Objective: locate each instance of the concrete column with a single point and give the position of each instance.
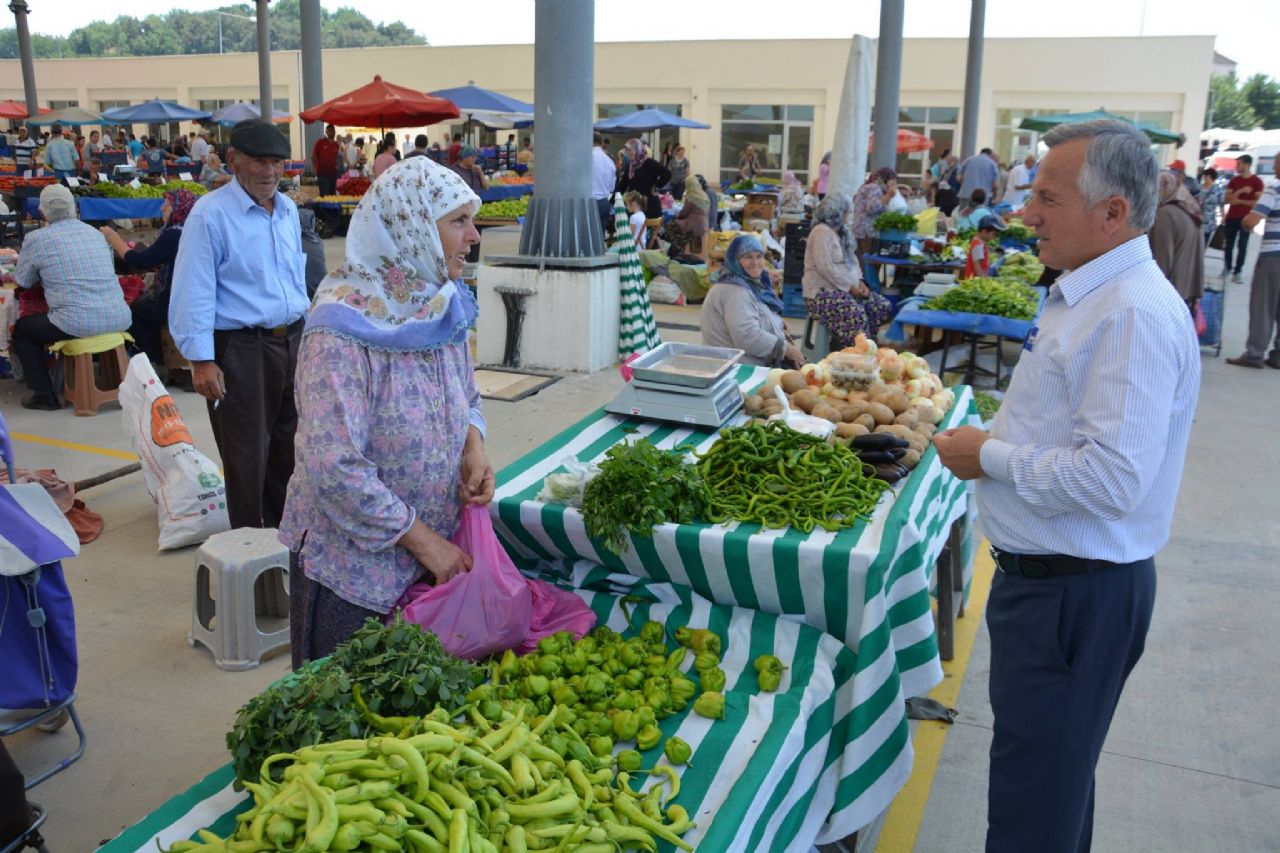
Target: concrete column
(264, 60)
(562, 221)
(312, 74)
(19, 9)
(888, 83)
(972, 81)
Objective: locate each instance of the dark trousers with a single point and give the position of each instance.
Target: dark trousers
(318, 619)
(31, 335)
(1061, 649)
(327, 184)
(1234, 230)
(149, 318)
(605, 207)
(255, 423)
(15, 813)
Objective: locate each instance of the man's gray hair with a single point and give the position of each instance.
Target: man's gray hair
(1118, 161)
(57, 203)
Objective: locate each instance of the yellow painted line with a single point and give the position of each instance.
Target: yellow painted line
(71, 445)
(902, 824)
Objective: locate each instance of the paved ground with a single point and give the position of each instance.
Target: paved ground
(1192, 764)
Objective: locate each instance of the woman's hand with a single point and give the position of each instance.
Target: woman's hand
(793, 355)
(860, 290)
(441, 558)
(477, 473)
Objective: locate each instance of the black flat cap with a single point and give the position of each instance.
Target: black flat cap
(259, 138)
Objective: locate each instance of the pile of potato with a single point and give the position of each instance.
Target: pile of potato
(883, 408)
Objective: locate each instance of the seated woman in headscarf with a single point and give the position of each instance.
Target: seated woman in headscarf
(1176, 243)
(834, 292)
(644, 175)
(791, 199)
(151, 311)
(870, 201)
(390, 440)
(742, 311)
(689, 225)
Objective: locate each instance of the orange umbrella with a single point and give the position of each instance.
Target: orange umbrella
(908, 141)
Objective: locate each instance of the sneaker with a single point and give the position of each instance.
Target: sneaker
(41, 402)
(1274, 361)
(1235, 278)
(1245, 361)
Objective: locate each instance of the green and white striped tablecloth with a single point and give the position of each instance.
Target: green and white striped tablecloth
(809, 764)
(866, 584)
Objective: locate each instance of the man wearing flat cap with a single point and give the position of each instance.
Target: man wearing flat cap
(236, 312)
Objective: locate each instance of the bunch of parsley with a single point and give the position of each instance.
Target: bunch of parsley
(640, 486)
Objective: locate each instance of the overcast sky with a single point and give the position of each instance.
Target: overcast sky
(1248, 31)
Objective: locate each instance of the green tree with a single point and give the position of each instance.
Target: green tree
(1228, 106)
(1263, 95)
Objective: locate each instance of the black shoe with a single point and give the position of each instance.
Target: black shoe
(42, 402)
(1274, 361)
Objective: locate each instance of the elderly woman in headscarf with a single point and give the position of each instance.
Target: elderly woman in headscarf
(834, 292)
(691, 223)
(73, 264)
(743, 312)
(870, 201)
(644, 175)
(390, 441)
(470, 171)
(151, 311)
(791, 198)
(1176, 242)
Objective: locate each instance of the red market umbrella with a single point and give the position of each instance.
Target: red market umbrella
(384, 104)
(908, 142)
(16, 109)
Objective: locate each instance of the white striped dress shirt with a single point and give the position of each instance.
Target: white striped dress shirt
(1086, 452)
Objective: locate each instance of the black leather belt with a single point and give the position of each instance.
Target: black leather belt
(271, 331)
(1048, 565)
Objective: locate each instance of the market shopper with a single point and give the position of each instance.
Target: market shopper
(870, 201)
(742, 311)
(151, 310)
(1176, 245)
(1264, 290)
(235, 312)
(24, 151)
(979, 173)
(1019, 184)
(679, 167)
(60, 154)
(391, 435)
(688, 228)
(73, 264)
(1212, 197)
(604, 177)
(469, 170)
(643, 175)
(325, 155)
(748, 165)
(1077, 491)
(824, 175)
(1243, 192)
(834, 292)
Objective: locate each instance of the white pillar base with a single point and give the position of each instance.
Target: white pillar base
(570, 323)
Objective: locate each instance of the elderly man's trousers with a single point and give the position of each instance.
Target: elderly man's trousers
(1061, 649)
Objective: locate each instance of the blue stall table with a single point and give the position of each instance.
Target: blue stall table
(104, 209)
(506, 191)
(971, 328)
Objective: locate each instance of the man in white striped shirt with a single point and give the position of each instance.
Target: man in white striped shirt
(1077, 483)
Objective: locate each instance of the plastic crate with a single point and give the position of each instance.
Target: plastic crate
(793, 301)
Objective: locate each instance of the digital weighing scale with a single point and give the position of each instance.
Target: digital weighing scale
(682, 383)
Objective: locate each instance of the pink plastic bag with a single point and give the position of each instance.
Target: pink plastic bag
(556, 609)
(1202, 325)
(486, 610)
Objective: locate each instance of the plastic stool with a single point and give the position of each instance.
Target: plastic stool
(240, 575)
(81, 387)
(816, 343)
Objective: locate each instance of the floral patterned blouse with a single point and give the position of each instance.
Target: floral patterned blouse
(868, 203)
(379, 443)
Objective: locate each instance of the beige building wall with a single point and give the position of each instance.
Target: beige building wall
(1167, 76)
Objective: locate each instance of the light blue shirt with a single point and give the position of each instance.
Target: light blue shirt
(238, 267)
(1086, 452)
(60, 154)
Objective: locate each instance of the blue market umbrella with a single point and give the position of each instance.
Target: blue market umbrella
(490, 108)
(154, 112)
(233, 114)
(650, 119)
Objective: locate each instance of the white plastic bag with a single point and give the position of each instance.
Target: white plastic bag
(567, 488)
(799, 421)
(897, 204)
(665, 291)
(190, 495)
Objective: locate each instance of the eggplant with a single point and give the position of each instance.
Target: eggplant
(876, 457)
(878, 441)
(888, 472)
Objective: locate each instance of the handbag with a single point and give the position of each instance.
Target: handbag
(1218, 240)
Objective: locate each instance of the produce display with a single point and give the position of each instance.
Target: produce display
(1022, 266)
(768, 474)
(987, 404)
(107, 189)
(340, 199)
(509, 208)
(524, 760)
(10, 183)
(398, 669)
(1000, 297)
(640, 486)
(510, 180)
(1017, 231)
(894, 222)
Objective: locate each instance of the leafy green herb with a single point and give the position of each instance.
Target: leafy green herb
(996, 296)
(987, 405)
(638, 487)
(402, 670)
(895, 222)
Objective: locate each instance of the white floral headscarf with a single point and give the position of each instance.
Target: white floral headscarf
(393, 291)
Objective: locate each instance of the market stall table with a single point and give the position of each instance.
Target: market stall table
(867, 585)
(811, 763)
(501, 192)
(871, 262)
(971, 328)
(105, 209)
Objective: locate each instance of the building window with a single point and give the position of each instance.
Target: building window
(103, 106)
(62, 105)
(782, 136)
(657, 139)
(937, 123)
